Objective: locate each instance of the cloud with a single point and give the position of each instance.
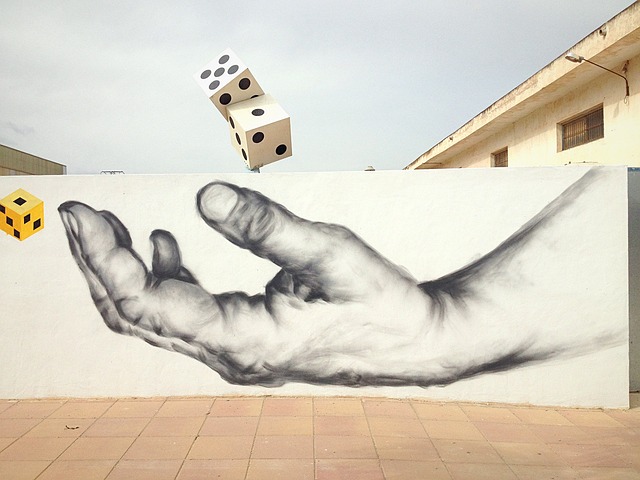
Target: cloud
(22, 130)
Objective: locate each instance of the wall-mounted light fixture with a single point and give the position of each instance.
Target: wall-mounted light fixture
(572, 57)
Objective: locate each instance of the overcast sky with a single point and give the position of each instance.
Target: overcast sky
(108, 85)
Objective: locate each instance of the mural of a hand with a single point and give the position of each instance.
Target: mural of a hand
(335, 296)
(336, 313)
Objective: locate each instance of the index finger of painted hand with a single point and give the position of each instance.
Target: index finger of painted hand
(253, 221)
(313, 251)
(101, 245)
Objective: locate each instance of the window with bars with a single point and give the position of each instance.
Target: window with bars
(500, 159)
(584, 129)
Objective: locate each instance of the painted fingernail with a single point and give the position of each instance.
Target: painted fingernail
(217, 201)
(70, 222)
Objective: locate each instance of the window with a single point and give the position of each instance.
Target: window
(584, 129)
(500, 159)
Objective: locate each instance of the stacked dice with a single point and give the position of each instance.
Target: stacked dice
(260, 129)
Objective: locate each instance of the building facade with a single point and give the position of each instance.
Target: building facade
(567, 113)
(15, 162)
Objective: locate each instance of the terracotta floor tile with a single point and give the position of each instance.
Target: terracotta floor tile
(353, 469)
(412, 470)
(632, 435)
(527, 453)
(434, 411)
(592, 455)
(36, 448)
(350, 437)
(16, 427)
(82, 409)
(145, 470)
(97, 448)
(507, 432)
(452, 430)
(280, 469)
(290, 407)
(283, 446)
(236, 407)
(341, 425)
(388, 408)
(116, 427)
(405, 448)
(213, 469)
(629, 454)
(6, 441)
(185, 408)
(540, 416)
(285, 426)
(629, 418)
(339, 446)
(78, 470)
(611, 436)
(397, 426)
(589, 418)
(611, 473)
(466, 451)
(481, 413)
(22, 470)
(559, 433)
(227, 426)
(31, 409)
(480, 471)
(159, 448)
(173, 427)
(544, 472)
(338, 407)
(219, 447)
(61, 427)
(134, 408)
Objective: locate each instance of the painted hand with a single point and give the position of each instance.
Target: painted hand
(340, 313)
(337, 312)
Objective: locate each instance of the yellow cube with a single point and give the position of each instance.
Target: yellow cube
(21, 214)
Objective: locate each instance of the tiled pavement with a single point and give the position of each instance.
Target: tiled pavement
(305, 438)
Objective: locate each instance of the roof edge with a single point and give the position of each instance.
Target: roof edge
(589, 47)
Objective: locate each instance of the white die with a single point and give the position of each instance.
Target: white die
(260, 130)
(227, 80)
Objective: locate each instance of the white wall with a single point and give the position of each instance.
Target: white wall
(634, 279)
(55, 344)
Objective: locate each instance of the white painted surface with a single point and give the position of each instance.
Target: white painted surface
(634, 279)
(54, 343)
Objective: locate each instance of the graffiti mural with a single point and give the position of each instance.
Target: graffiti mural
(338, 312)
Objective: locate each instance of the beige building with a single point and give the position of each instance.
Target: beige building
(567, 113)
(15, 162)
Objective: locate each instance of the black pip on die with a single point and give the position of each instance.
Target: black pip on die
(260, 130)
